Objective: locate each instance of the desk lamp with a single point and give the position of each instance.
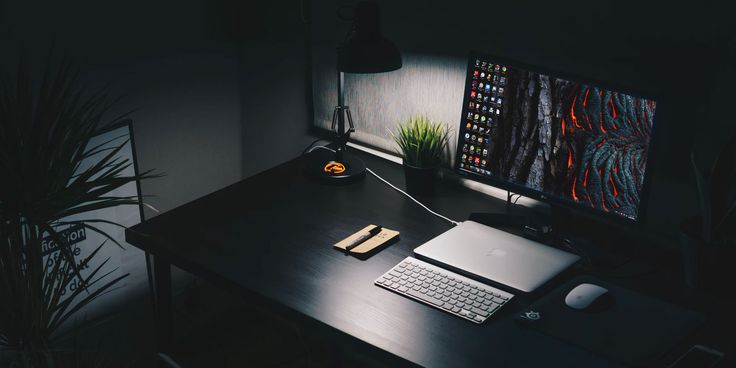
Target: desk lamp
(364, 50)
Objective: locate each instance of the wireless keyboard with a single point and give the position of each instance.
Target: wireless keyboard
(444, 290)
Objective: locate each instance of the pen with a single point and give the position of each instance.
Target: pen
(363, 237)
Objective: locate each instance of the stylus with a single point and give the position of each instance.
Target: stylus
(363, 237)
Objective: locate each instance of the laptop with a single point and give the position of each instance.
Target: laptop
(495, 256)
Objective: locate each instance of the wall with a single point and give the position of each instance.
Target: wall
(677, 51)
(206, 80)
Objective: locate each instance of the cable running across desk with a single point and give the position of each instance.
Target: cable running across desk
(412, 198)
(453, 222)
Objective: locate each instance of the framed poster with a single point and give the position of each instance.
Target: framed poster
(119, 259)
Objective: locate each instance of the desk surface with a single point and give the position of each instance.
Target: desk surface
(272, 234)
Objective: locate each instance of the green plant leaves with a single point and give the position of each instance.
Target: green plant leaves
(45, 131)
(421, 141)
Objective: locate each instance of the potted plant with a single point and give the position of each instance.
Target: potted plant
(712, 232)
(45, 131)
(422, 143)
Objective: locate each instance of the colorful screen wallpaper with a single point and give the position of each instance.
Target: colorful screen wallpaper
(563, 138)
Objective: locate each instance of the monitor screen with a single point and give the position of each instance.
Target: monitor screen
(554, 138)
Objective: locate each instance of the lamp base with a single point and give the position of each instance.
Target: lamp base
(327, 168)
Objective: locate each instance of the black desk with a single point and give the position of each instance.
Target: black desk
(271, 236)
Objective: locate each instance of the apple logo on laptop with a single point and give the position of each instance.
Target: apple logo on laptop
(496, 252)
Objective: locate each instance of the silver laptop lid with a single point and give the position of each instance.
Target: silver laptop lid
(496, 256)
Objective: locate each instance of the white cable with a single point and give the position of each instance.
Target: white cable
(323, 147)
(412, 198)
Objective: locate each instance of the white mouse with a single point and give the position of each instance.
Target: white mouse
(587, 296)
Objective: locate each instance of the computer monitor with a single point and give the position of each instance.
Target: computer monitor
(555, 139)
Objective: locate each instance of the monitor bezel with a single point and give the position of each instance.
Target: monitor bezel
(553, 199)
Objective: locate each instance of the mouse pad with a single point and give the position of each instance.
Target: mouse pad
(636, 330)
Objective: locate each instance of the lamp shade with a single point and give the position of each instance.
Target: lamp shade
(366, 50)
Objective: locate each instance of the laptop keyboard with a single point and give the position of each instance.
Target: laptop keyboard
(445, 290)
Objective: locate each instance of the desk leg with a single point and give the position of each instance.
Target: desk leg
(164, 317)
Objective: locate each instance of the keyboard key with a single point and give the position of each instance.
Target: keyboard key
(443, 290)
(426, 298)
